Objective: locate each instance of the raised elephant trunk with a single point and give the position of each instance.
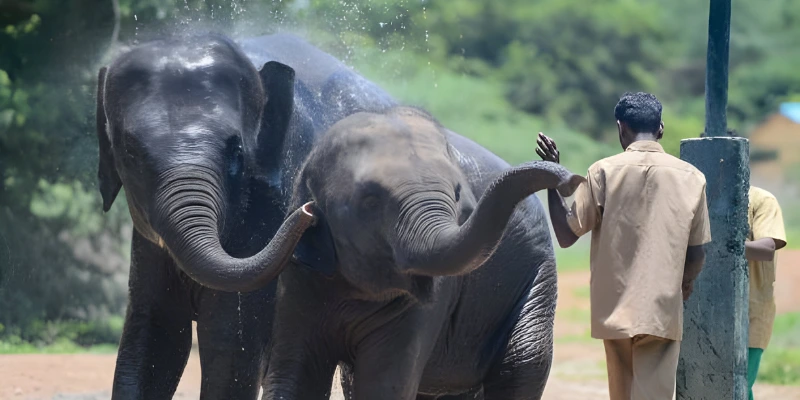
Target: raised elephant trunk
(189, 221)
(449, 249)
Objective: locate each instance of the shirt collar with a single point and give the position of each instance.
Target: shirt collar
(645, 145)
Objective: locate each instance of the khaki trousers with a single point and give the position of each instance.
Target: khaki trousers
(642, 368)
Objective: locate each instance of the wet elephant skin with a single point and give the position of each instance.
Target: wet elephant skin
(206, 135)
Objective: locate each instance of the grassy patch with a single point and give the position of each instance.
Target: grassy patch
(60, 346)
(62, 337)
(576, 315)
(786, 331)
(793, 239)
(780, 364)
(575, 258)
(586, 337)
(582, 292)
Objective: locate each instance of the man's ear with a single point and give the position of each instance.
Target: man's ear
(316, 249)
(107, 175)
(278, 82)
(660, 132)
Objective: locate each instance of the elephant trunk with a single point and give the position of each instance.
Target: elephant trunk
(191, 204)
(433, 244)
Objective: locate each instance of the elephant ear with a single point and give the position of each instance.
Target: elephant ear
(107, 174)
(278, 82)
(316, 249)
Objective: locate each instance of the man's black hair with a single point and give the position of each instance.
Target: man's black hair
(640, 111)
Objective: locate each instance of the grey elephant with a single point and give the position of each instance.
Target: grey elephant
(430, 271)
(207, 148)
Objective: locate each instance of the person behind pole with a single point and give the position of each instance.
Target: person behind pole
(767, 234)
(648, 216)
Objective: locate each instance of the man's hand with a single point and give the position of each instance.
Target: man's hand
(687, 288)
(547, 149)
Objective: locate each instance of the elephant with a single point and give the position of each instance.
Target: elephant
(429, 272)
(207, 147)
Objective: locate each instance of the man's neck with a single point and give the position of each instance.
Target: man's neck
(649, 137)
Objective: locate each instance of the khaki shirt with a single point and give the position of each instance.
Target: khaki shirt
(766, 221)
(644, 208)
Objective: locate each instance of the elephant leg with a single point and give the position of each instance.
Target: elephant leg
(300, 373)
(476, 394)
(157, 335)
(522, 374)
(233, 333)
(390, 361)
(303, 358)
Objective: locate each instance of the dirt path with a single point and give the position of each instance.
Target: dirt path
(578, 370)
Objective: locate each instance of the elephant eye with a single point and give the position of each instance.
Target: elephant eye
(458, 192)
(369, 201)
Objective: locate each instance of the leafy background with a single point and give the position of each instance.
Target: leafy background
(496, 71)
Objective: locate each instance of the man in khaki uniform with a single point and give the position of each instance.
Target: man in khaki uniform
(767, 234)
(648, 216)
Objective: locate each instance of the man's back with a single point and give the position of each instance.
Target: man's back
(644, 208)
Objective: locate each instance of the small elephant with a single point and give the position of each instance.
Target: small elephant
(207, 148)
(430, 271)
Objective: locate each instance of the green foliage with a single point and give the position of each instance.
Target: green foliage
(475, 107)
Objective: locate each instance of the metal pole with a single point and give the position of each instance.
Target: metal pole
(719, 35)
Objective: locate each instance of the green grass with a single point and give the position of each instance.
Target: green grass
(575, 258)
(61, 346)
(582, 292)
(576, 315)
(62, 337)
(793, 238)
(586, 337)
(780, 364)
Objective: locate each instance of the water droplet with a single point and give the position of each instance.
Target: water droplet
(135, 18)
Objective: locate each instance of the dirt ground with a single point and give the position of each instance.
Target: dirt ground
(577, 373)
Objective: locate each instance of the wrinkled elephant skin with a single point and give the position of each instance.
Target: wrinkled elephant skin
(206, 135)
(430, 273)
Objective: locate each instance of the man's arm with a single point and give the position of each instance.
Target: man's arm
(695, 258)
(767, 230)
(760, 250)
(559, 214)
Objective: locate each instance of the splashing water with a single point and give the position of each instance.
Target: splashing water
(239, 310)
